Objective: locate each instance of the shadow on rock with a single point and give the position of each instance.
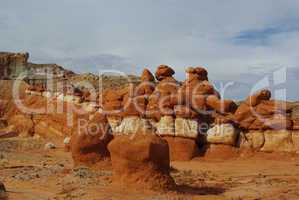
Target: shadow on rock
(186, 189)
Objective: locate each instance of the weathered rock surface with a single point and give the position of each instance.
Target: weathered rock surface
(67, 144)
(221, 151)
(222, 134)
(198, 73)
(23, 125)
(296, 124)
(47, 131)
(253, 140)
(12, 64)
(278, 141)
(166, 126)
(295, 140)
(141, 162)
(147, 76)
(3, 194)
(114, 122)
(187, 128)
(2, 187)
(163, 71)
(133, 125)
(182, 149)
(89, 145)
(259, 96)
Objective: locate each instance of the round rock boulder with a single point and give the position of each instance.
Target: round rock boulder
(89, 143)
(141, 162)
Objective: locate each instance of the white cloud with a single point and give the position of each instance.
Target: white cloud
(148, 33)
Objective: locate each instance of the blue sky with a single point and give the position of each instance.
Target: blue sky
(233, 39)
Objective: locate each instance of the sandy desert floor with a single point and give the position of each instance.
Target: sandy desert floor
(32, 173)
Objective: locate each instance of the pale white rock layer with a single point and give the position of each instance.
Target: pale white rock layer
(222, 134)
(166, 126)
(133, 125)
(278, 141)
(187, 128)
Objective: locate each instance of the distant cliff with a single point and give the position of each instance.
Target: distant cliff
(12, 64)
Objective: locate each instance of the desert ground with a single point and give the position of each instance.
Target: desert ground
(30, 172)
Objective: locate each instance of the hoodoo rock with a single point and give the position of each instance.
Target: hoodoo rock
(147, 76)
(133, 107)
(147, 85)
(111, 101)
(163, 71)
(198, 73)
(259, 96)
(260, 113)
(141, 162)
(89, 144)
(159, 102)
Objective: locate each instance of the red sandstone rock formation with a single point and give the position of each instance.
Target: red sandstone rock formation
(141, 163)
(259, 96)
(163, 71)
(89, 145)
(159, 103)
(258, 112)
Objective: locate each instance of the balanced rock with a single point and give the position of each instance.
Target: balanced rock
(163, 71)
(222, 134)
(141, 162)
(258, 97)
(147, 76)
(199, 73)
